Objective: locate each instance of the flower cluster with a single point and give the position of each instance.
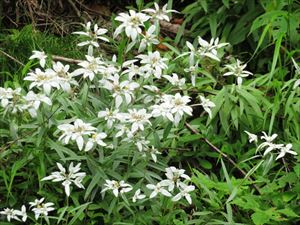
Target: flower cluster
(268, 145)
(37, 207)
(14, 101)
(176, 180)
(172, 107)
(78, 132)
(237, 69)
(67, 177)
(57, 77)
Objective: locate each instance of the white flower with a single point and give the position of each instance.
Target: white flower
(138, 118)
(67, 178)
(268, 138)
(207, 105)
(268, 143)
(286, 149)
(65, 79)
(41, 56)
(46, 79)
(10, 214)
(174, 80)
(193, 71)
(159, 14)
(76, 132)
(158, 188)
(141, 143)
(180, 107)
(33, 102)
(148, 39)
(210, 49)
(138, 196)
(96, 138)
(131, 23)
(237, 70)
(96, 33)
(125, 88)
(269, 147)
(90, 67)
(117, 187)
(164, 110)
(205, 50)
(22, 213)
(109, 115)
(93, 35)
(154, 63)
(40, 208)
(153, 152)
(123, 129)
(6, 94)
(132, 69)
(184, 192)
(252, 137)
(174, 176)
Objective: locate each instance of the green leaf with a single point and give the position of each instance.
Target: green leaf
(260, 218)
(205, 164)
(80, 209)
(288, 212)
(276, 54)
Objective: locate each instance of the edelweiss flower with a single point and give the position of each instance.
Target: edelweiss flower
(116, 187)
(138, 118)
(153, 62)
(13, 214)
(40, 208)
(65, 79)
(6, 94)
(268, 138)
(158, 188)
(123, 129)
(237, 70)
(159, 14)
(252, 137)
(131, 23)
(109, 115)
(193, 70)
(94, 35)
(67, 178)
(132, 69)
(41, 56)
(138, 196)
(205, 50)
(45, 79)
(33, 102)
(184, 192)
(76, 132)
(96, 138)
(207, 105)
(174, 80)
(180, 107)
(125, 88)
(153, 152)
(174, 176)
(286, 149)
(90, 67)
(148, 39)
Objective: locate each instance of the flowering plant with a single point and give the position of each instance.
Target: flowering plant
(126, 124)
